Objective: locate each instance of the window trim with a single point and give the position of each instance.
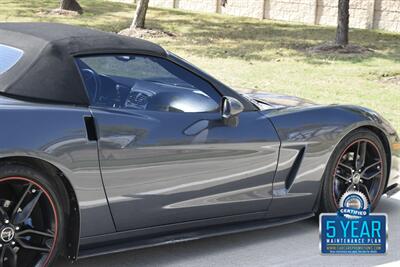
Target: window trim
(221, 88)
(78, 56)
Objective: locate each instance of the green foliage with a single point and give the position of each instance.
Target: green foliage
(261, 55)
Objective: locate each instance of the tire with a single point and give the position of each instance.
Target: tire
(18, 181)
(337, 169)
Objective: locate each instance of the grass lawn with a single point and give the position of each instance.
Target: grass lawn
(250, 53)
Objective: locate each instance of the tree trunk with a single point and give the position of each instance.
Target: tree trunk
(140, 14)
(342, 32)
(71, 5)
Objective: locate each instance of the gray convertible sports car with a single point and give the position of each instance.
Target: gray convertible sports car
(110, 143)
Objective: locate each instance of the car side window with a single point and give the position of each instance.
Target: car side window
(145, 83)
(9, 56)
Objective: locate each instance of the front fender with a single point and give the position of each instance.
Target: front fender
(315, 131)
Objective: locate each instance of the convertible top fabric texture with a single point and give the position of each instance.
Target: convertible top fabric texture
(47, 70)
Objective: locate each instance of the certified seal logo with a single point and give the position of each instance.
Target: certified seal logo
(353, 229)
(353, 205)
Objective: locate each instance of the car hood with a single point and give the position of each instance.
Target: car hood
(265, 100)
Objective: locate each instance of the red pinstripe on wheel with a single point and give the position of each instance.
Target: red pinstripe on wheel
(53, 206)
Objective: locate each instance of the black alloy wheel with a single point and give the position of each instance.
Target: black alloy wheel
(30, 218)
(358, 164)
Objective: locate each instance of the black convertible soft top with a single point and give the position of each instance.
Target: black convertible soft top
(47, 71)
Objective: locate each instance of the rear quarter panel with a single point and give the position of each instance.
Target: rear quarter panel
(57, 135)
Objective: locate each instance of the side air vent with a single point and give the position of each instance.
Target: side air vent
(295, 169)
(90, 128)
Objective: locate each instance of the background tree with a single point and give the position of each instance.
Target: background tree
(71, 5)
(342, 32)
(140, 14)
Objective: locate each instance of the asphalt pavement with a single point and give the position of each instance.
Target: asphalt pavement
(295, 244)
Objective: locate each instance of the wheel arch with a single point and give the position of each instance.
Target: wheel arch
(381, 135)
(385, 141)
(69, 199)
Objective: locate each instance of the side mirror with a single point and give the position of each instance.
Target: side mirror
(230, 109)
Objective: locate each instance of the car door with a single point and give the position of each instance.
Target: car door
(166, 155)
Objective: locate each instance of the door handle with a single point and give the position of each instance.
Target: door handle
(90, 128)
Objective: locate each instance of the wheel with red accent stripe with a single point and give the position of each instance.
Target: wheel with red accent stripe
(358, 164)
(31, 217)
